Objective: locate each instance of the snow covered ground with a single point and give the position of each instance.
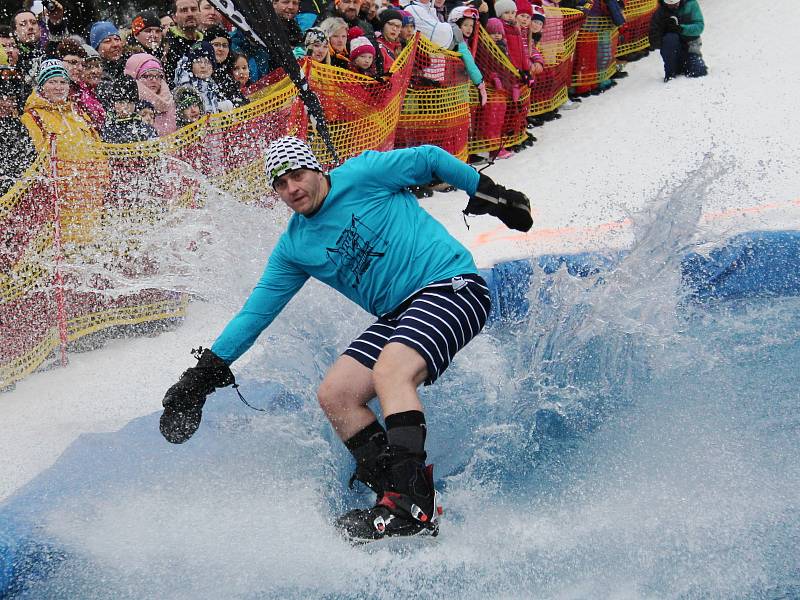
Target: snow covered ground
(588, 172)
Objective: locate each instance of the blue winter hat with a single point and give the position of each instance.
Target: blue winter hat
(407, 17)
(202, 49)
(100, 31)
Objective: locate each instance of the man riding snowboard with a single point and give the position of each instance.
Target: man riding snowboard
(359, 230)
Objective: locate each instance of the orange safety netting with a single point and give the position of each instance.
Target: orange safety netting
(436, 105)
(27, 305)
(238, 139)
(361, 113)
(559, 36)
(634, 34)
(595, 54)
(75, 224)
(502, 121)
(41, 308)
(72, 228)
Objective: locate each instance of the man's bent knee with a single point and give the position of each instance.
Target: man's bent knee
(347, 384)
(327, 395)
(399, 364)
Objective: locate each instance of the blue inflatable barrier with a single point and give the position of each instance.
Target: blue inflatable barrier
(509, 282)
(22, 557)
(8, 545)
(753, 265)
(761, 264)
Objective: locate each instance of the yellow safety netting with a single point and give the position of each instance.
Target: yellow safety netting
(595, 53)
(634, 34)
(72, 205)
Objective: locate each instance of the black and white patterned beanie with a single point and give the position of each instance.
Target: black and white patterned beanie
(289, 154)
(315, 35)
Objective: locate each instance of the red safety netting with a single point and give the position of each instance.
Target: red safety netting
(74, 225)
(595, 54)
(634, 34)
(501, 123)
(559, 36)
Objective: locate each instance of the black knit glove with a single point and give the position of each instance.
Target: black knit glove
(510, 206)
(183, 402)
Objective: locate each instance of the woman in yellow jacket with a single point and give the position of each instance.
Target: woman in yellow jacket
(81, 164)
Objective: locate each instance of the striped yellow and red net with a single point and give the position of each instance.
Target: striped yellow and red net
(72, 207)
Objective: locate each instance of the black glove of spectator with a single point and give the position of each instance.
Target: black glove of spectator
(510, 206)
(672, 25)
(183, 402)
(525, 76)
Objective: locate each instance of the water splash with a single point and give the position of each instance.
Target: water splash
(616, 442)
(146, 240)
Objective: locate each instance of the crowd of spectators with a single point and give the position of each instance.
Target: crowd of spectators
(127, 82)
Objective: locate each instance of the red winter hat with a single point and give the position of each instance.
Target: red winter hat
(538, 13)
(495, 25)
(354, 32)
(524, 7)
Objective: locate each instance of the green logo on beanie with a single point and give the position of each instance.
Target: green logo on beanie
(278, 171)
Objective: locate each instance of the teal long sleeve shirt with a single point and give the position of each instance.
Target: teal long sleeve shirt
(370, 240)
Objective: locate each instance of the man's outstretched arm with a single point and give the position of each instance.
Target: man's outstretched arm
(399, 169)
(415, 166)
(273, 291)
(183, 403)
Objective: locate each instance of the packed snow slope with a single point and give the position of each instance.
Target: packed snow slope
(613, 443)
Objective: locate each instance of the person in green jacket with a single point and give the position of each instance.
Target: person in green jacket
(675, 30)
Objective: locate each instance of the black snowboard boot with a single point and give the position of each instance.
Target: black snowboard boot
(409, 504)
(369, 464)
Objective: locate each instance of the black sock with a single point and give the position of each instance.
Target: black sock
(369, 441)
(407, 429)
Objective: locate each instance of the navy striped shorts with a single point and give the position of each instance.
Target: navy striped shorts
(437, 321)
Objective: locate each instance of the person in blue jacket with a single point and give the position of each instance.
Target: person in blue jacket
(359, 230)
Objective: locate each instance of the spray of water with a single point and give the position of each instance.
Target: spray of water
(614, 443)
(148, 239)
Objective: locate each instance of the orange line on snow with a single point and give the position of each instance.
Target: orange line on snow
(733, 212)
(502, 234)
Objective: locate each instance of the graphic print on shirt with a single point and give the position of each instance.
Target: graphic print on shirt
(355, 250)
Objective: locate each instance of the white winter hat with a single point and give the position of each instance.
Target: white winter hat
(289, 154)
(442, 35)
(672, 2)
(462, 12)
(503, 6)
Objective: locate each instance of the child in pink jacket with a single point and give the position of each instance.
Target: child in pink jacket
(530, 20)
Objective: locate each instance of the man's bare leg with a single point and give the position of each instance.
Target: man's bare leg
(343, 395)
(407, 502)
(397, 375)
